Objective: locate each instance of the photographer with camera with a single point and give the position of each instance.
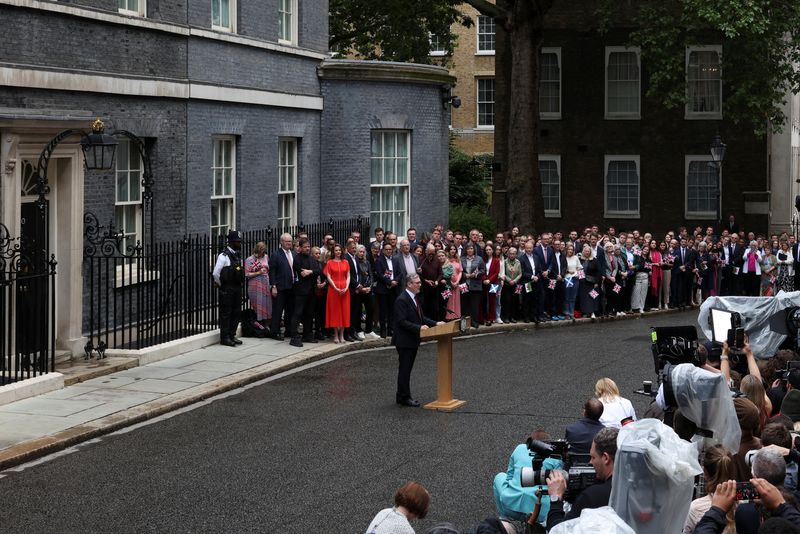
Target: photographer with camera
(602, 454)
(713, 522)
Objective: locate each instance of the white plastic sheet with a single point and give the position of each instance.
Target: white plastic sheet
(705, 399)
(755, 312)
(653, 479)
(594, 521)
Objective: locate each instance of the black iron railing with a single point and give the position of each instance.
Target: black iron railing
(145, 296)
(27, 309)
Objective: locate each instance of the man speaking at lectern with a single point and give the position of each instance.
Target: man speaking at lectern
(408, 322)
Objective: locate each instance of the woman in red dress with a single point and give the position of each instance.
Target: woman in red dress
(337, 306)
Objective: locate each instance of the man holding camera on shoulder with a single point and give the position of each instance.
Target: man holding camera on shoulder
(602, 454)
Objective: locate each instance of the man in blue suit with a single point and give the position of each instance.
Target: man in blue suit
(281, 277)
(581, 433)
(543, 255)
(530, 269)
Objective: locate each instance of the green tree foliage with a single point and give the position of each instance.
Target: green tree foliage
(760, 51)
(464, 218)
(468, 184)
(393, 30)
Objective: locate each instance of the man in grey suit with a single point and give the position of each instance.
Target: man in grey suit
(407, 262)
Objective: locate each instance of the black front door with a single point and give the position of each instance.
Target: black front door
(32, 286)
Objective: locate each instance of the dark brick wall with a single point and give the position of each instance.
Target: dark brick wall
(662, 138)
(257, 131)
(77, 43)
(352, 110)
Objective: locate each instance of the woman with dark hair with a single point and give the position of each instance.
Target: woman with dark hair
(491, 286)
(589, 286)
(666, 274)
(430, 272)
(474, 272)
(337, 313)
(410, 502)
(452, 273)
(718, 467)
(653, 257)
(785, 279)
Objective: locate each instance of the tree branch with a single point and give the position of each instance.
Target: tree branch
(489, 9)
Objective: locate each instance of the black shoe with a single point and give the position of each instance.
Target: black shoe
(349, 339)
(296, 342)
(409, 402)
(227, 342)
(278, 336)
(237, 340)
(320, 336)
(309, 340)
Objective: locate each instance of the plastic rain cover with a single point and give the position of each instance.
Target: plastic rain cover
(594, 521)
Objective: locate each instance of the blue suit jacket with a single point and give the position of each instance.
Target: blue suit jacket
(581, 433)
(280, 274)
(541, 264)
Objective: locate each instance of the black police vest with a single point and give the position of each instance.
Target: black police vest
(232, 275)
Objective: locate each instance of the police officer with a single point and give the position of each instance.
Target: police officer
(229, 277)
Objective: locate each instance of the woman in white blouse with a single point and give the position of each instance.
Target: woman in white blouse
(615, 408)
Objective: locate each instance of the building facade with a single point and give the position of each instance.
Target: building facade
(609, 155)
(246, 121)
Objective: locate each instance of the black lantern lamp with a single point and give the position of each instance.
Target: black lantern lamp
(718, 150)
(98, 148)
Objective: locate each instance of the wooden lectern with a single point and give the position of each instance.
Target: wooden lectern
(443, 334)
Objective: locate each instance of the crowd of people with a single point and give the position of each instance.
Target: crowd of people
(346, 291)
(768, 412)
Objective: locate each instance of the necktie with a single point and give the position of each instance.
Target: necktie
(545, 253)
(289, 259)
(419, 310)
(355, 264)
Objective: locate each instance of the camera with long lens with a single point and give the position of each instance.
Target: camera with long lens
(579, 472)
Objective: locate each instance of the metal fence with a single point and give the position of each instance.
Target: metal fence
(144, 296)
(27, 309)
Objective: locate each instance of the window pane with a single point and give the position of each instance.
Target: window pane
(122, 186)
(549, 84)
(704, 78)
(135, 184)
(623, 82)
(388, 171)
(622, 186)
(225, 15)
(551, 184)
(701, 186)
(485, 101)
(376, 175)
(402, 145)
(215, 9)
(228, 182)
(485, 34)
(389, 144)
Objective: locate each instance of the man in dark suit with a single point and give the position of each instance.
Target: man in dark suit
(682, 272)
(281, 277)
(530, 270)
(543, 256)
(409, 321)
(387, 278)
(351, 334)
(558, 273)
(732, 226)
(795, 255)
(581, 433)
(306, 270)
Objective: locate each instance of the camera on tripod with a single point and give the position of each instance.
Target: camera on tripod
(579, 472)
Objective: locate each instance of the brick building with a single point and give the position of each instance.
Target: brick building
(246, 120)
(609, 155)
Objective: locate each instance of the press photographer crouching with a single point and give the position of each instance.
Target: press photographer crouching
(602, 454)
(513, 500)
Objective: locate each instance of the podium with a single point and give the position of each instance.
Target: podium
(443, 334)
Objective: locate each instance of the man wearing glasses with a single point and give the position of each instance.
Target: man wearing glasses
(409, 321)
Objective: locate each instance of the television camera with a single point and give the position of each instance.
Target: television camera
(579, 472)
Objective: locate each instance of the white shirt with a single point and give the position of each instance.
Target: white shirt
(222, 261)
(530, 260)
(389, 521)
(289, 258)
(615, 411)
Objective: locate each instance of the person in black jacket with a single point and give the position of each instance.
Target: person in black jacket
(581, 433)
(409, 321)
(603, 452)
(306, 270)
(281, 277)
(387, 276)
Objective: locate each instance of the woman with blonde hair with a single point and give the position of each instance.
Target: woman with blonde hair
(718, 467)
(615, 408)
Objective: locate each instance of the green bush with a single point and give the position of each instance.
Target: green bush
(464, 218)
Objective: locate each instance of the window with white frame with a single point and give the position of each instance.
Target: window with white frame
(485, 35)
(485, 88)
(438, 47)
(390, 178)
(287, 21)
(704, 82)
(550, 173)
(223, 15)
(701, 187)
(287, 183)
(132, 7)
(623, 83)
(224, 186)
(550, 83)
(622, 186)
(128, 196)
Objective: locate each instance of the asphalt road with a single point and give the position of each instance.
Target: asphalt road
(324, 449)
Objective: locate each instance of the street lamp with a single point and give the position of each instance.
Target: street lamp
(717, 150)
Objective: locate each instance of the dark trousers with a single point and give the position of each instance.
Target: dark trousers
(509, 303)
(386, 307)
(529, 304)
(612, 298)
(282, 305)
(355, 313)
(556, 304)
(230, 311)
(471, 305)
(752, 284)
(727, 284)
(406, 361)
(303, 312)
(678, 291)
(319, 313)
(542, 296)
(359, 300)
